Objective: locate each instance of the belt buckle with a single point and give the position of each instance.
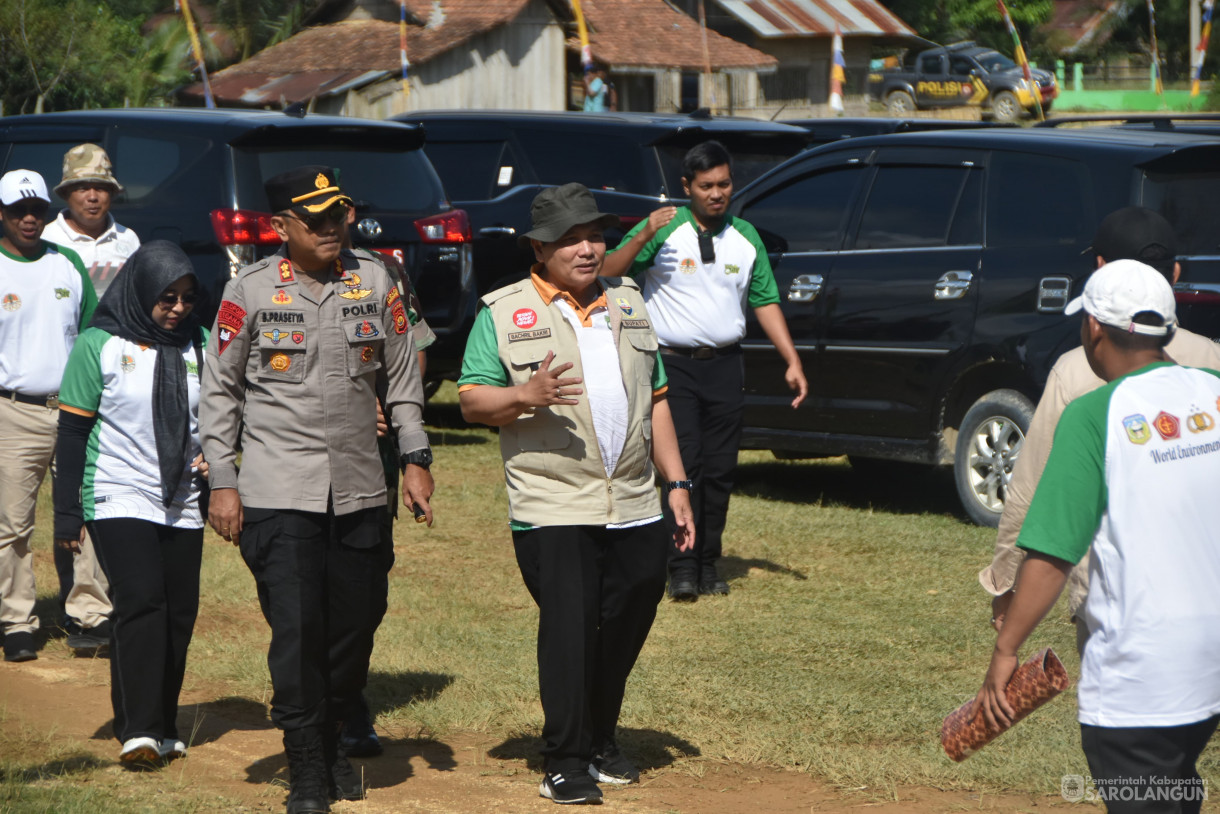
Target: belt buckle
(53, 402)
(702, 353)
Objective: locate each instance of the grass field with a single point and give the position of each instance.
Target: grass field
(855, 624)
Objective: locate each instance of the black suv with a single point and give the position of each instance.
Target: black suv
(195, 177)
(494, 162)
(924, 278)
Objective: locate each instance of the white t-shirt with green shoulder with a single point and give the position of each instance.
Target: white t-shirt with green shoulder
(113, 378)
(1133, 473)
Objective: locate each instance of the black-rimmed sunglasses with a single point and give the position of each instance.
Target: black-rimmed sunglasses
(169, 299)
(313, 221)
(38, 208)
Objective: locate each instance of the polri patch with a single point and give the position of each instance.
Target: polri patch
(353, 281)
(280, 362)
(392, 296)
(356, 293)
(229, 320)
(634, 323)
(401, 323)
(298, 337)
(367, 330)
(539, 333)
(525, 317)
(281, 297)
(275, 335)
(286, 275)
(366, 354)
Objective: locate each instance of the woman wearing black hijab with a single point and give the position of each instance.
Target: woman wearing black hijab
(129, 468)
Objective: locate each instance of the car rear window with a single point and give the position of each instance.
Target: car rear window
(597, 160)
(383, 180)
(474, 170)
(1039, 200)
(1191, 204)
(749, 162)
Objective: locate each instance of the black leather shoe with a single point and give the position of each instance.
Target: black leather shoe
(710, 582)
(683, 589)
(19, 647)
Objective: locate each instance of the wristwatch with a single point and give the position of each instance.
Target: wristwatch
(688, 485)
(420, 457)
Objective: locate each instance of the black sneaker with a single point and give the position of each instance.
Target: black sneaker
(609, 766)
(90, 641)
(683, 587)
(19, 647)
(710, 581)
(570, 788)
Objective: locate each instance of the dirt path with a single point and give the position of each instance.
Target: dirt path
(236, 755)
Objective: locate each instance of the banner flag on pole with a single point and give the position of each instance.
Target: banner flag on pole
(1201, 48)
(197, 47)
(1019, 55)
(1156, 54)
(586, 50)
(402, 46)
(837, 74)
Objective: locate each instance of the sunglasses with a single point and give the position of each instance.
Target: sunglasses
(169, 300)
(316, 220)
(21, 209)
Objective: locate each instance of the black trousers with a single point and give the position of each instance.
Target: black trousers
(154, 586)
(1148, 770)
(597, 591)
(706, 398)
(322, 584)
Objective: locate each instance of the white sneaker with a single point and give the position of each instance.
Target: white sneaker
(140, 750)
(171, 749)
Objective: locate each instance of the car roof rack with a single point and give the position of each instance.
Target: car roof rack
(1159, 121)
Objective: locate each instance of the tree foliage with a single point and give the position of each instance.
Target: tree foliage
(979, 20)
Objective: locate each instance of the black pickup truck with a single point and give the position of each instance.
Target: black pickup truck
(959, 75)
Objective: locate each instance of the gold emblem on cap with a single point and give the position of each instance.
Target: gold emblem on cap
(320, 182)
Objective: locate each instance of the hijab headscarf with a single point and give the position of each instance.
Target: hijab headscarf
(125, 311)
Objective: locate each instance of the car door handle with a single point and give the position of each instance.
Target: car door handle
(805, 288)
(952, 285)
(497, 231)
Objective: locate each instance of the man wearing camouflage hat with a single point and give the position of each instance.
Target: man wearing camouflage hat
(87, 228)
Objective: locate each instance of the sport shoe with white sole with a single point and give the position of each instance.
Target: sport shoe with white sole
(140, 750)
(171, 748)
(570, 788)
(609, 766)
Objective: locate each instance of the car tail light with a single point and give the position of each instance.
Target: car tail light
(241, 226)
(448, 227)
(628, 222)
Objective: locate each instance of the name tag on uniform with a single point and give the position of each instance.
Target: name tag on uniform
(540, 333)
(635, 323)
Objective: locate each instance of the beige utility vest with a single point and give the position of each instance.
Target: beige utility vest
(552, 462)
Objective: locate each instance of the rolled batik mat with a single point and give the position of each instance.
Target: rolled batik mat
(1034, 683)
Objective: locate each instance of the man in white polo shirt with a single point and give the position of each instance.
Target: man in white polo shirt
(1132, 474)
(45, 300)
(701, 269)
(87, 228)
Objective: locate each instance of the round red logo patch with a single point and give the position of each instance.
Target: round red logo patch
(525, 318)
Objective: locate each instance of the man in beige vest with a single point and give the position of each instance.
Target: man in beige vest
(1131, 233)
(566, 365)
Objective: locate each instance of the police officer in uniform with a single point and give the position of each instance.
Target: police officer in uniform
(305, 343)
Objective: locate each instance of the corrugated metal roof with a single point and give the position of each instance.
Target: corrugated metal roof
(803, 18)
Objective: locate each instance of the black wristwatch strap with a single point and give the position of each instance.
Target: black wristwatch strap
(688, 485)
(419, 457)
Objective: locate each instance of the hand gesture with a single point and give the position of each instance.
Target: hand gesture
(545, 388)
(659, 219)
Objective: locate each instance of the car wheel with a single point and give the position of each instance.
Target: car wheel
(1005, 107)
(900, 104)
(989, 442)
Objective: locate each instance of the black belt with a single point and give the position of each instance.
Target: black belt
(702, 352)
(51, 402)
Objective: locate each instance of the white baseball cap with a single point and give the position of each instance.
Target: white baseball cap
(1118, 291)
(20, 184)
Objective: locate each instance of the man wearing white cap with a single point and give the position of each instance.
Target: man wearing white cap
(87, 228)
(1132, 473)
(45, 300)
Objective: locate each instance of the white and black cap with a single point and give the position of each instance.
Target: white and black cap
(21, 184)
(1120, 291)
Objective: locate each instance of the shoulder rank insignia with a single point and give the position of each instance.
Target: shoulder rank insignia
(286, 275)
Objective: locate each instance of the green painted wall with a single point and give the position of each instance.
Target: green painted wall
(1128, 100)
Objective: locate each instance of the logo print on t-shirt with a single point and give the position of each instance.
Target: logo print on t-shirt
(729, 268)
(1137, 429)
(62, 293)
(11, 302)
(687, 266)
(1199, 421)
(1167, 426)
(525, 318)
(127, 364)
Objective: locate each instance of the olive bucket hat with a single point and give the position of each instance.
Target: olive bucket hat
(555, 210)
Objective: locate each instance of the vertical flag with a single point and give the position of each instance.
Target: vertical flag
(1156, 54)
(1019, 54)
(402, 46)
(707, 60)
(197, 47)
(837, 76)
(586, 50)
(1201, 48)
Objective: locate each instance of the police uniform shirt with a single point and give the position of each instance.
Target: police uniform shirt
(102, 257)
(697, 304)
(112, 378)
(1131, 473)
(44, 304)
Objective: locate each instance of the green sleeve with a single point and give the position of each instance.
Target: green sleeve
(763, 290)
(481, 363)
(88, 294)
(659, 379)
(643, 260)
(1071, 495)
(82, 383)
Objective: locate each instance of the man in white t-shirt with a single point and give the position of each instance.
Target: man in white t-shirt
(1131, 474)
(87, 228)
(45, 300)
